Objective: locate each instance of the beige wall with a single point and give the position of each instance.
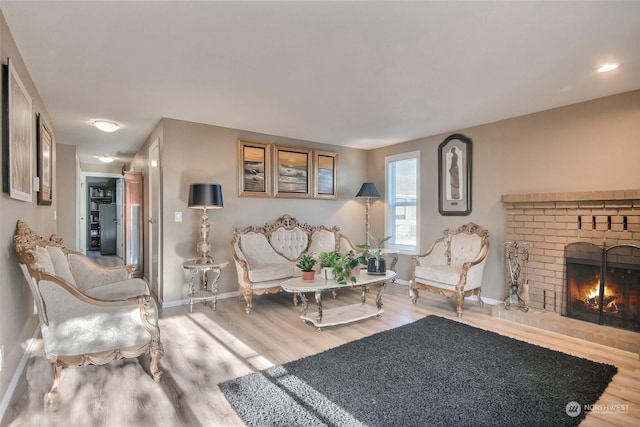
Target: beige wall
(17, 322)
(583, 147)
(192, 152)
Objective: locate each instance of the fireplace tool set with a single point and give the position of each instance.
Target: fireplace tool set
(518, 292)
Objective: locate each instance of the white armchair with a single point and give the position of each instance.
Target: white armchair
(89, 314)
(453, 265)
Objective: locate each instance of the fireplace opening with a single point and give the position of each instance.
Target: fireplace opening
(603, 284)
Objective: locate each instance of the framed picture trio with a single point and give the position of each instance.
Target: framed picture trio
(272, 170)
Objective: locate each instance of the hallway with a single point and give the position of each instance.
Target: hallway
(106, 260)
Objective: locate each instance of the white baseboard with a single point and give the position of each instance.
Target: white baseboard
(490, 301)
(6, 399)
(236, 294)
(185, 301)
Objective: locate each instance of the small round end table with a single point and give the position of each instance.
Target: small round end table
(205, 294)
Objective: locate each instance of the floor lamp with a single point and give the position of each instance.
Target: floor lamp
(205, 196)
(368, 191)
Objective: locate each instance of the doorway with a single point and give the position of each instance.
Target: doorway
(101, 221)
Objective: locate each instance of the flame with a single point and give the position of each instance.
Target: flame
(595, 292)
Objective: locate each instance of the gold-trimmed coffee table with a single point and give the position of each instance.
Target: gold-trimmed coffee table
(344, 314)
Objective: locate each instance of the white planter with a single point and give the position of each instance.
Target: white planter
(327, 273)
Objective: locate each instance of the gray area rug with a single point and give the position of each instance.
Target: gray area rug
(433, 371)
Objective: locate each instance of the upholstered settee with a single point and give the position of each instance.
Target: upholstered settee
(89, 314)
(453, 265)
(266, 256)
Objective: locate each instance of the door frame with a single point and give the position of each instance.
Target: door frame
(155, 239)
(82, 219)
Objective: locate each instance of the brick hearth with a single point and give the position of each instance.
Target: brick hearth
(550, 221)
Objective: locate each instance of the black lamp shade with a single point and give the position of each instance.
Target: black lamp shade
(205, 196)
(368, 189)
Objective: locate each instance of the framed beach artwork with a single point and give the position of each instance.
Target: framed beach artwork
(454, 175)
(17, 137)
(45, 158)
(254, 169)
(292, 171)
(325, 171)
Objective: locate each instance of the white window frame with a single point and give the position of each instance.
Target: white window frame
(389, 228)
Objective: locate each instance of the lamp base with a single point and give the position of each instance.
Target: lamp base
(204, 247)
(204, 259)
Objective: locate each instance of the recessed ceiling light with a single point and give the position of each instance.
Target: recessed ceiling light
(106, 125)
(608, 67)
(105, 159)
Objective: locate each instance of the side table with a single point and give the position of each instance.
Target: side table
(205, 294)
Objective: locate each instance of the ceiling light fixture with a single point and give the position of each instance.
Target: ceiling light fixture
(105, 159)
(105, 125)
(608, 67)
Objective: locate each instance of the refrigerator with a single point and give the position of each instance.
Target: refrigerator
(107, 229)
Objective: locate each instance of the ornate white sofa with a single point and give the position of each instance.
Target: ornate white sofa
(266, 256)
(89, 314)
(453, 265)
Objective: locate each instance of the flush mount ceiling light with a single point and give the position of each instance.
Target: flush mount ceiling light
(106, 125)
(608, 67)
(105, 159)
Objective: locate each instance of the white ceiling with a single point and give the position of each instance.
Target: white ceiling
(360, 74)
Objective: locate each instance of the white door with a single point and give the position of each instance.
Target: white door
(155, 220)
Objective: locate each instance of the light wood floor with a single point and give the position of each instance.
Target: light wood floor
(204, 348)
(106, 260)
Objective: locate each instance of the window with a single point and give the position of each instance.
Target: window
(403, 213)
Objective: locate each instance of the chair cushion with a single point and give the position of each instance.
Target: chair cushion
(81, 328)
(322, 241)
(119, 290)
(61, 264)
(439, 273)
(88, 275)
(464, 248)
(442, 276)
(290, 243)
(265, 273)
(43, 260)
(258, 252)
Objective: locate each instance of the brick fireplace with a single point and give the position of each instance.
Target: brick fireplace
(549, 222)
(603, 284)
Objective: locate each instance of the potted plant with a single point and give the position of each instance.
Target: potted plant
(376, 263)
(306, 264)
(354, 263)
(329, 263)
(349, 267)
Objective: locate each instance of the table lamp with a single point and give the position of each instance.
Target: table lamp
(205, 196)
(368, 190)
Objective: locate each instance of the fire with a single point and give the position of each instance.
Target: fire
(593, 299)
(595, 292)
